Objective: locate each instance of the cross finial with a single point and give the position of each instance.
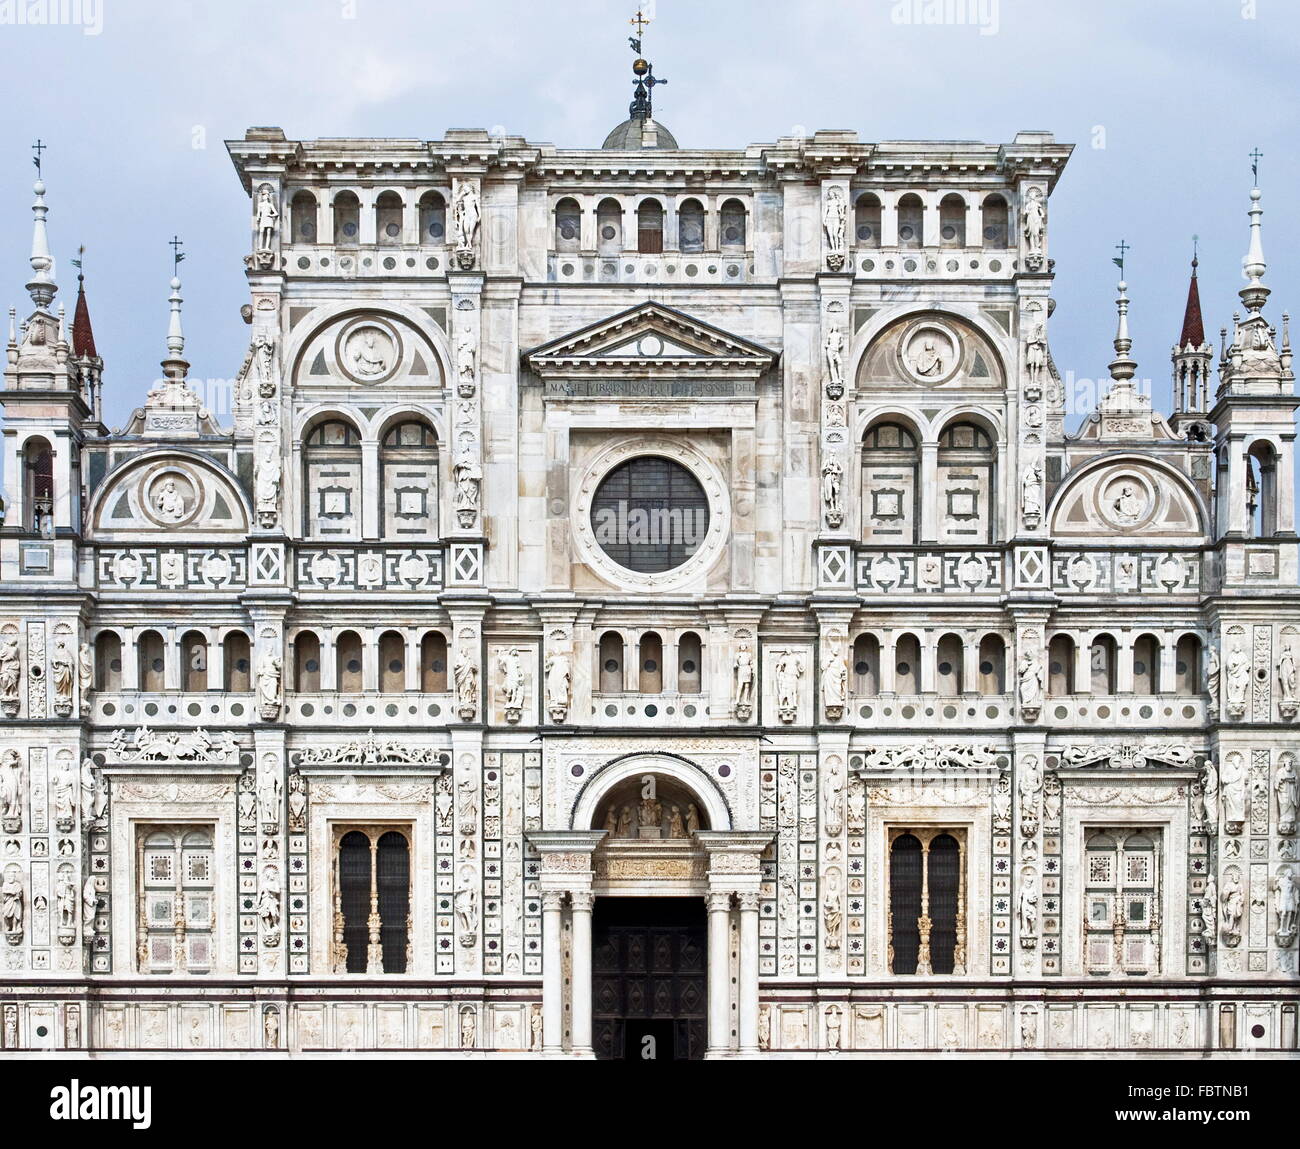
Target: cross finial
(38, 147)
(1255, 156)
(177, 255)
(1123, 249)
(639, 21)
(1196, 242)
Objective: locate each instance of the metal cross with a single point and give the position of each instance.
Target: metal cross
(177, 255)
(1255, 157)
(640, 22)
(1123, 249)
(38, 147)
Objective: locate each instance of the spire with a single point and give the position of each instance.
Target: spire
(175, 366)
(1191, 360)
(41, 286)
(1254, 294)
(83, 337)
(1193, 333)
(1123, 366)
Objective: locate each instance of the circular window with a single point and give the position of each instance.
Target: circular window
(392, 230)
(608, 232)
(905, 232)
(948, 232)
(649, 514)
(436, 230)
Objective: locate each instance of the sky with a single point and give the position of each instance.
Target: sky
(1164, 100)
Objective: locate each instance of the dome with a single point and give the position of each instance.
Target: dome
(637, 133)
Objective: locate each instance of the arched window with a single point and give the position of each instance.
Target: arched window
(392, 662)
(433, 218)
(732, 224)
(651, 650)
(176, 899)
(952, 221)
(306, 662)
(108, 661)
(1146, 664)
(194, 660)
(690, 226)
(238, 659)
(433, 663)
(948, 665)
(347, 662)
(690, 663)
(347, 219)
(866, 220)
(650, 227)
(1122, 890)
(1187, 666)
(995, 221)
(943, 873)
(927, 903)
(911, 217)
(388, 218)
(38, 494)
(907, 665)
(568, 225)
(302, 216)
(905, 861)
(965, 476)
(890, 490)
(150, 660)
(332, 461)
(866, 666)
(993, 664)
(408, 464)
(1261, 490)
(372, 900)
(1060, 666)
(609, 227)
(611, 662)
(1102, 659)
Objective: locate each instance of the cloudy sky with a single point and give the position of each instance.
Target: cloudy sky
(1163, 98)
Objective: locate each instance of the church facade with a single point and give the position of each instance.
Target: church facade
(646, 601)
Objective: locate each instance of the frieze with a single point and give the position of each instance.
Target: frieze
(1152, 572)
(1122, 795)
(353, 791)
(649, 388)
(928, 755)
(172, 568)
(960, 571)
(178, 746)
(1129, 755)
(359, 568)
(650, 868)
(369, 751)
(182, 791)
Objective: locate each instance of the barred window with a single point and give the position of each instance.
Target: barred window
(650, 514)
(175, 920)
(372, 900)
(927, 901)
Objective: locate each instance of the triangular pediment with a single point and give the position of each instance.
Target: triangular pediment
(650, 340)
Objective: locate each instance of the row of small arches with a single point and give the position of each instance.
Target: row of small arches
(388, 211)
(692, 226)
(909, 217)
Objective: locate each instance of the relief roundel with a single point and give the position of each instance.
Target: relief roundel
(930, 353)
(369, 350)
(1126, 500)
(171, 496)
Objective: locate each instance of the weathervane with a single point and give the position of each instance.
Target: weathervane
(643, 99)
(177, 255)
(81, 254)
(1255, 156)
(1118, 260)
(38, 147)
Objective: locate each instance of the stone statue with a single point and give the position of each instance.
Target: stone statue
(268, 484)
(833, 350)
(468, 475)
(465, 215)
(1212, 672)
(467, 911)
(1286, 674)
(1035, 360)
(465, 358)
(535, 1027)
(271, 1028)
(246, 801)
(85, 670)
(297, 803)
(1028, 911)
(927, 362)
(94, 793)
(743, 674)
(368, 358)
(268, 799)
(1288, 790)
(559, 682)
(1210, 784)
(268, 905)
(833, 800)
(651, 813)
(1002, 805)
(1238, 674)
(465, 675)
(89, 905)
(268, 686)
(512, 682)
(1232, 778)
(676, 824)
(835, 216)
(61, 675)
(1031, 493)
(1034, 218)
(11, 790)
(467, 1027)
(1286, 902)
(10, 674)
(1030, 678)
(11, 903)
(832, 497)
(835, 678)
(625, 822)
(834, 1027)
(1232, 902)
(1127, 506)
(65, 899)
(169, 502)
(63, 789)
(265, 218)
(789, 669)
(692, 818)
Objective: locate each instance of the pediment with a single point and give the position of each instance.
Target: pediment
(654, 346)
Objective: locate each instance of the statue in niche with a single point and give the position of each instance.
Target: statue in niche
(1029, 676)
(1002, 805)
(467, 1027)
(833, 350)
(62, 677)
(11, 790)
(468, 475)
(1035, 361)
(611, 821)
(1031, 493)
(1286, 902)
(1232, 779)
(559, 682)
(743, 674)
(465, 215)
(297, 802)
(692, 818)
(764, 1027)
(834, 1026)
(1210, 787)
(835, 216)
(1028, 909)
(65, 900)
(1127, 505)
(11, 904)
(169, 502)
(1212, 672)
(63, 790)
(268, 483)
(1286, 678)
(835, 677)
(465, 357)
(625, 822)
(512, 684)
(94, 793)
(650, 814)
(535, 1027)
(832, 495)
(467, 908)
(832, 909)
(10, 674)
(268, 905)
(265, 218)
(676, 824)
(1034, 223)
(789, 669)
(85, 669)
(1232, 903)
(268, 799)
(833, 800)
(1237, 671)
(927, 362)
(268, 686)
(465, 675)
(1287, 789)
(369, 359)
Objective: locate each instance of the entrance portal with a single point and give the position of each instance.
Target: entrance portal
(649, 964)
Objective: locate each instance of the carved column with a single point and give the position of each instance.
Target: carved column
(923, 923)
(748, 994)
(552, 974)
(374, 948)
(582, 902)
(719, 971)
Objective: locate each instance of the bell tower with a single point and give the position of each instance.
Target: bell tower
(1191, 359)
